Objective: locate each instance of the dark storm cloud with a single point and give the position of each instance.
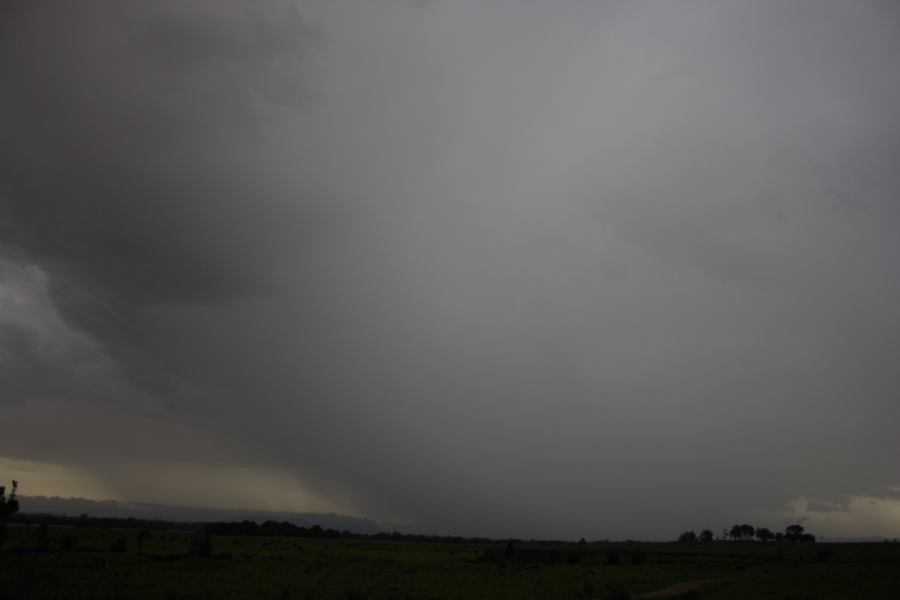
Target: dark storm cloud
(608, 269)
(116, 171)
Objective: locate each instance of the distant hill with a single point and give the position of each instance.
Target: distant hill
(189, 514)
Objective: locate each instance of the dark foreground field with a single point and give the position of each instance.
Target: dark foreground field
(105, 563)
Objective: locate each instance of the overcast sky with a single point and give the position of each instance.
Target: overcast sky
(552, 269)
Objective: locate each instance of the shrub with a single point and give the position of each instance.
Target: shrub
(688, 537)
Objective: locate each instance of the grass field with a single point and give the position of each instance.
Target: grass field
(57, 565)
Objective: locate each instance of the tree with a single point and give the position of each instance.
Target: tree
(793, 533)
(763, 534)
(687, 537)
(706, 535)
(9, 505)
(741, 532)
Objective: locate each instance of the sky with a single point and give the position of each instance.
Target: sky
(505, 268)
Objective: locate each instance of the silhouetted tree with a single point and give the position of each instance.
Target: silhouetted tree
(706, 535)
(9, 505)
(793, 533)
(687, 537)
(763, 534)
(315, 531)
(742, 532)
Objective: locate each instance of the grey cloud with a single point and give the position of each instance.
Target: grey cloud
(115, 180)
(816, 506)
(609, 269)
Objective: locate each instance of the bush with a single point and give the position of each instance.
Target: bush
(688, 537)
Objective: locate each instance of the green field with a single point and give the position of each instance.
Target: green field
(79, 562)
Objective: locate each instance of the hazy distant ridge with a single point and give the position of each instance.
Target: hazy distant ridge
(163, 512)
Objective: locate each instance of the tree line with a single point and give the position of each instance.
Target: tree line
(745, 532)
(287, 529)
